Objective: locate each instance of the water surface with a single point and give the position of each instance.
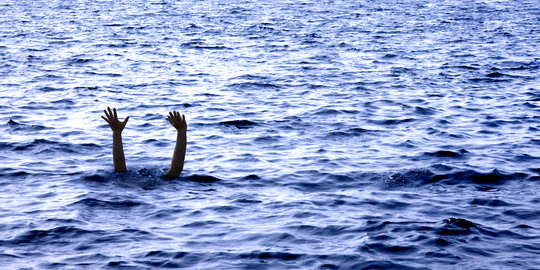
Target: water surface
(321, 134)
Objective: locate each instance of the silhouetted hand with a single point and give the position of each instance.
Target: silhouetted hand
(118, 149)
(112, 118)
(177, 121)
(179, 154)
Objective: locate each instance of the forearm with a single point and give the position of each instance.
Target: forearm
(118, 153)
(177, 163)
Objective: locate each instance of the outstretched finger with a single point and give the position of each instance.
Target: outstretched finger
(111, 115)
(107, 114)
(106, 120)
(115, 114)
(170, 120)
(125, 121)
(183, 118)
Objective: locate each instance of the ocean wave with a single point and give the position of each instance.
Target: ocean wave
(43, 146)
(343, 135)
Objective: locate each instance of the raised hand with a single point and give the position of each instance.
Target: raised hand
(118, 149)
(177, 121)
(179, 155)
(112, 118)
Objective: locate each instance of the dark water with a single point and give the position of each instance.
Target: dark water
(322, 134)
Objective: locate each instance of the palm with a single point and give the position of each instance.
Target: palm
(112, 119)
(177, 121)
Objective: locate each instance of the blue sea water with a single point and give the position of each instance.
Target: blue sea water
(321, 134)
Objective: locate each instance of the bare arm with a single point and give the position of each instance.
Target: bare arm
(177, 163)
(117, 127)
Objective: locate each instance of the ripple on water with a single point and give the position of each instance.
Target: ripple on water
(379, 135)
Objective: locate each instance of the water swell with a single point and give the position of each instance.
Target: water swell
(44, 146)
(61, 236)
(335, 135)
(403, 179)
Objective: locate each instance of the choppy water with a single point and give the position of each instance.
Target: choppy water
(322, 134)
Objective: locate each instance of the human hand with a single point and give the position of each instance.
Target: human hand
(112, 118)
(177, 121)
